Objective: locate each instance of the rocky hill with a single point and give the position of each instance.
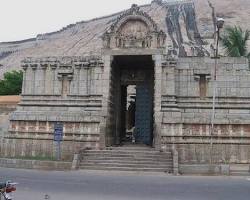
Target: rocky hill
(188, 24)
(235, 12)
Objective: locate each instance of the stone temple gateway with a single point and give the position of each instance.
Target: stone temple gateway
(172, 99)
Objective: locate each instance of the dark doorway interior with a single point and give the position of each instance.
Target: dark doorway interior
(133, 80)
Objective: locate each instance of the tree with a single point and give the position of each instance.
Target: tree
(12, 83)
(235, 42)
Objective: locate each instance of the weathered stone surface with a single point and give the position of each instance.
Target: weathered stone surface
(84, 93)
(183, 22)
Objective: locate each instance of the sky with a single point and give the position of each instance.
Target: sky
(23, 19)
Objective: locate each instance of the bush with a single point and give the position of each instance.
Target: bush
(11, 83)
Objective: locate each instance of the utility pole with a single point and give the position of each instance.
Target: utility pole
(219, 26)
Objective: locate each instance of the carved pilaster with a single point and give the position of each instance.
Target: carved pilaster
(33, 82)
(34, 66)
(53, 67)
(65, 75)
(169, 65)
(78, 67)
(92, 64)
(44, 67)
(157, 99)
(86, 66)
(106, 96)
(24, 67)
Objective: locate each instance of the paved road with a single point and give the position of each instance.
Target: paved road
(95, 185)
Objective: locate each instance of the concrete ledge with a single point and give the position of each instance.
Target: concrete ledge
(35, 164)
(215, 169)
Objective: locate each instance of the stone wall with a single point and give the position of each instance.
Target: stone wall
(67, 90)
(186, 123)
(7, 105)
(79, 93)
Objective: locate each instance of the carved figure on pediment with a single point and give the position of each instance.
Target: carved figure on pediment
(134, 33)
(134, 29)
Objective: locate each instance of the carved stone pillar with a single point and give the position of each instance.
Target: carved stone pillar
(93, 64)
(33, 82)
(171, 112)
(86, 78)
(106, 81)
(169, 65)
(24, 87)
(44, 79)
(53, 85)
(157, 101)
(65, 76)
(78, 67)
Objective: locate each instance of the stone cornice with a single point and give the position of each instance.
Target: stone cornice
(54, 62)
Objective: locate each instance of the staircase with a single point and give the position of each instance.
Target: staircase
(127, 158)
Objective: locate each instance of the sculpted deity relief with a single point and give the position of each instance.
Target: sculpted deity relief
(134, 29)
(133, 34)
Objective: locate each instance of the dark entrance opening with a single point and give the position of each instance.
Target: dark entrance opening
(132, 82)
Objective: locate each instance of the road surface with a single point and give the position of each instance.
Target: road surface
(98, 185)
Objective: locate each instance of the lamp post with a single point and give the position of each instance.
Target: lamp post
(219, 26)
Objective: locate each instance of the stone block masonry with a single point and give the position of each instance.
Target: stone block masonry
(67, 90)
(84, 93)
(188, 129)
(8, 104)
(184, 116)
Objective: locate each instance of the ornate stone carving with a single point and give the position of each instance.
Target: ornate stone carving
(25, 66)
(34, 66)
(44, 66)
(53, 66)
(78, 65)
(169, 61)
(63, 62)
(134, 29)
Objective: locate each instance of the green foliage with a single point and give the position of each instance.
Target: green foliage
(12, 83)
(235, 42)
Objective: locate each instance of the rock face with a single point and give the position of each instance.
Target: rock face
(235, 12)
(187, 23)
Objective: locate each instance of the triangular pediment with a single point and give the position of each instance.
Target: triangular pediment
(134, 29)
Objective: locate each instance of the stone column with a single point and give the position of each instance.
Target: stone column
(78, 67)
(170, 78)
(171, 112)
(90, 78)
(106, 79)
(157, 100)
(87, 80)
(44, 79)
(24, 87)
(82, 78)
(33, 82)
(53, 85)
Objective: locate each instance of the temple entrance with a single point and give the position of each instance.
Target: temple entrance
(132, 81)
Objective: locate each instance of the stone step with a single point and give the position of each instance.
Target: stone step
(151, 165)
(115, 157)
(112, 159)
(127, 169)
(127, 152)
(131, 148)
(107, 154)
(127, 159)
(239, 173)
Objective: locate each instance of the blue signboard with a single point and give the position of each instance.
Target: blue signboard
(58, 132)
